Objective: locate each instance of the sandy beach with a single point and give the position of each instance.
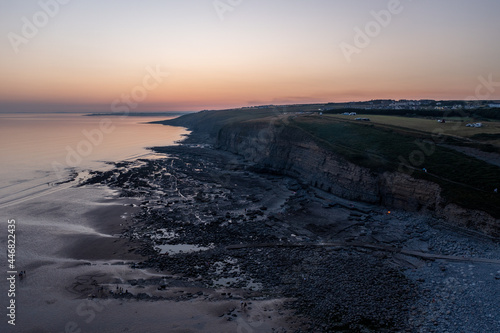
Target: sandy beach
(75, 258)
(359, 267)
(179, 244)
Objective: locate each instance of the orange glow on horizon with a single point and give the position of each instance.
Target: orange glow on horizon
(89, 55)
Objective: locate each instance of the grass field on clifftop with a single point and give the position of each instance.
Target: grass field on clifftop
(489, 133)
(465, 180)
(387, 143)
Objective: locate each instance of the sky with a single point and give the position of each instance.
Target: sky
(173, 55)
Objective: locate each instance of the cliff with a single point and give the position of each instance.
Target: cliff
(276, 146)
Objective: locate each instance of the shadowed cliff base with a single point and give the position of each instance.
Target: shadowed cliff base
(220, 230)
(394, 166)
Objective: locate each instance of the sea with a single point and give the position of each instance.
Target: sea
(44, 213)
(38, 152)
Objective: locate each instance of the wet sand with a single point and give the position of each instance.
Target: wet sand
(93, 263)
(76, 248)
(341, 265)
(109, 220)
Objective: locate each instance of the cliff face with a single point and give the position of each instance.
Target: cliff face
(292, 152)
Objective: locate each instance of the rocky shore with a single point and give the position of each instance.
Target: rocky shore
(217, 228)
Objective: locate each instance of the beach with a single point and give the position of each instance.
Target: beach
(181, 243)
(70, 241)
(332, 263)
(61, 292)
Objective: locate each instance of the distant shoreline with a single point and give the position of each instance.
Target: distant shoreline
(139, 114)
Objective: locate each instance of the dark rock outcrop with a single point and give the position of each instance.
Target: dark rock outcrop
(278, 147)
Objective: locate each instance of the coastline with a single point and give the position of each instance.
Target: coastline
(313, 149)
(200, 196)
(312, 214)
(56, 292)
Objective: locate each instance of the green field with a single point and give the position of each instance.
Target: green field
(452, 127)
(388, 143)
(465, 180)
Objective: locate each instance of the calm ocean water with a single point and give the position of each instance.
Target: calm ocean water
(54, 221)
(39, 150)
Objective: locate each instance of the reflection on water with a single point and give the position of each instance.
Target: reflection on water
(56, 223)
(39, 150)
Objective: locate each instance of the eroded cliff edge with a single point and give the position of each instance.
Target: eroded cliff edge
(275, 146)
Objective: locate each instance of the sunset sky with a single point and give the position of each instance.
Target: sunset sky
(86, 55)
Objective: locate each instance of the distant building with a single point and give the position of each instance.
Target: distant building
(494, 105)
